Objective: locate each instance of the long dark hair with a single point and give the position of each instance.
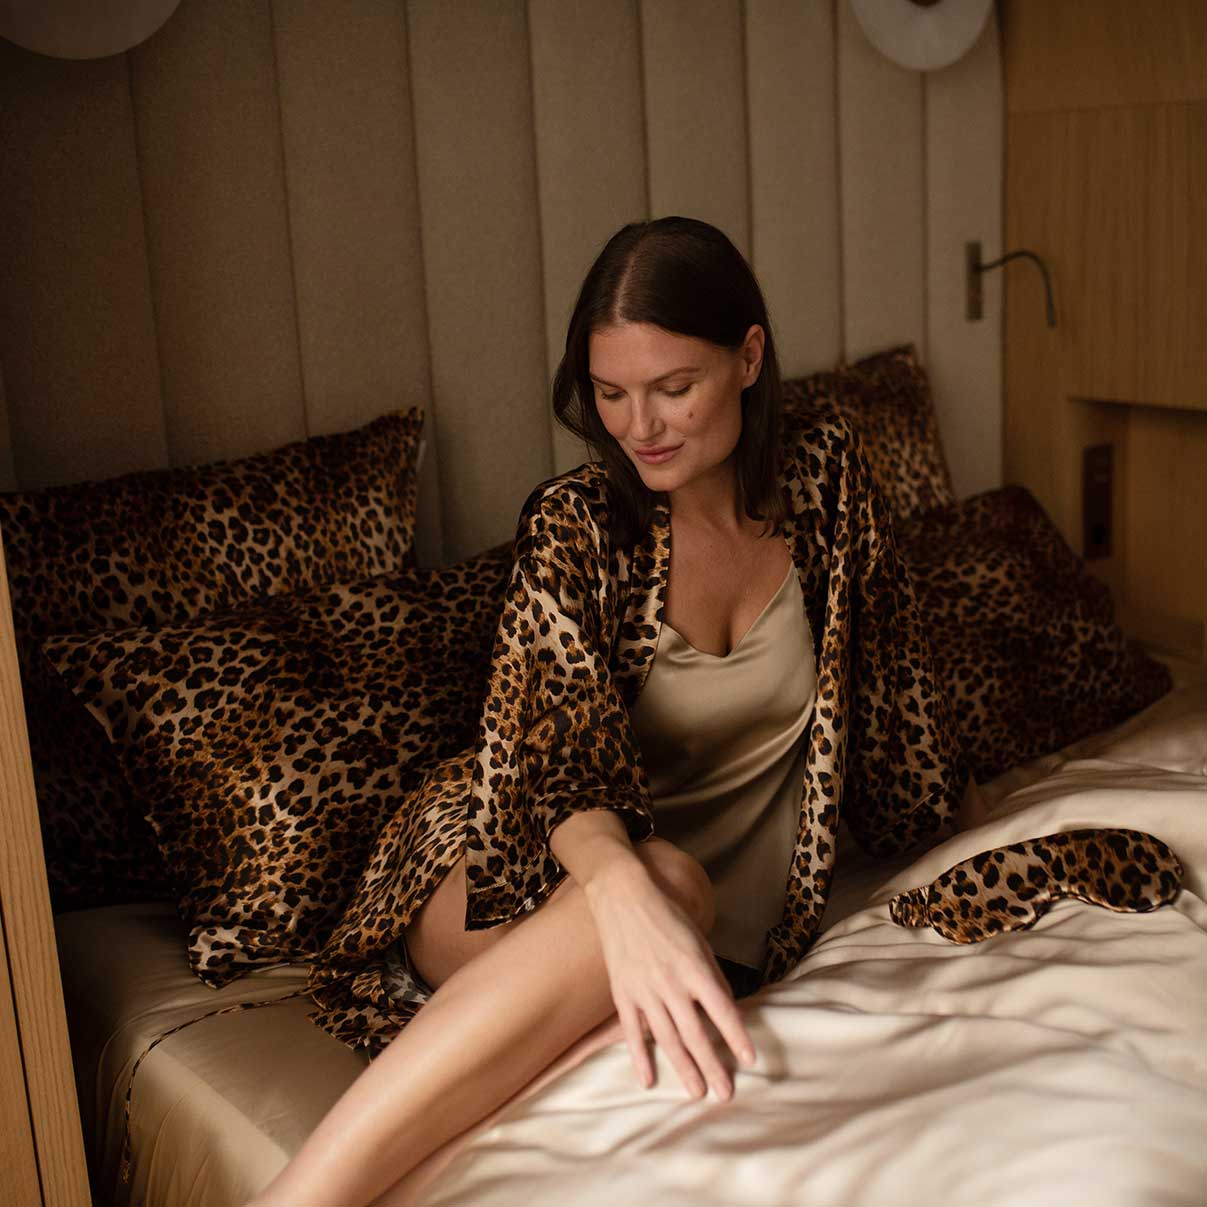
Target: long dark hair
(685, 276)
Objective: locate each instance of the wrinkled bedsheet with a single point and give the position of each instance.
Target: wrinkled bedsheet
(1065, 1065)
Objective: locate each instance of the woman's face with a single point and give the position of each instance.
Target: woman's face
(654, 388)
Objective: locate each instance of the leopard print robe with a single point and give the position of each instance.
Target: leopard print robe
(575, 640)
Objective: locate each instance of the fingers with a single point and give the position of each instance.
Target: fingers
(666, 1034)
(634, 1036)
(699, 1044)
(687, 1043)
(723, 1010)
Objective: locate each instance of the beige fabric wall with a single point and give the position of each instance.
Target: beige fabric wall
(272, 220)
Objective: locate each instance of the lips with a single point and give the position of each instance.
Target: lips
(659, 453)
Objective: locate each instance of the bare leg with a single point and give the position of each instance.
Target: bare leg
(487, 1031)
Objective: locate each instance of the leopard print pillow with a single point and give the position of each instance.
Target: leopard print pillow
(887, 396)
(272, 742)
(1023, 634)
(161, 547)
(1012, 887)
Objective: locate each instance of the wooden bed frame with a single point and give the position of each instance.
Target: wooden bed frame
(41, 1142)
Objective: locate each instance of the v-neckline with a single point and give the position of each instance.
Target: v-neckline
(753, 625)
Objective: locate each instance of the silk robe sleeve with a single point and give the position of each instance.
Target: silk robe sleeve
(906, 768)
(555, 736)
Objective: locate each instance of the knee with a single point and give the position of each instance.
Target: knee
(683, 877)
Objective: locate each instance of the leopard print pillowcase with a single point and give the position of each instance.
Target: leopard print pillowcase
(162, 547)
(887, 396)
(272, 742)
(1023, 634)
(1012, 887)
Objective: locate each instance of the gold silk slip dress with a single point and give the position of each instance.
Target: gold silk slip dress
(723, 742)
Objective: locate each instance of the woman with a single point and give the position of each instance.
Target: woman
(774, 698)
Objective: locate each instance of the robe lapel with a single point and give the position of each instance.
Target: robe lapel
(639, 585)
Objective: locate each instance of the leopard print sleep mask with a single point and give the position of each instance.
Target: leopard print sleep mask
(1012, 887)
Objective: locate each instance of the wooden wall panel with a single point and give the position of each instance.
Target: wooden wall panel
(795, 239)
(1106, 178)
(883, 197)
(343, 76)
(695, 103)
(1166, 529)
(1141, 250)
(482, 258)
(77, 334)
(963, 358)
(217, 231)
(588, 117)
(1078, 54)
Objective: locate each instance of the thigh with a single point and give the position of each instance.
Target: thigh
(436, 939)
(438, 944)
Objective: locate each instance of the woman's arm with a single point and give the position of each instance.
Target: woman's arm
(589, 845)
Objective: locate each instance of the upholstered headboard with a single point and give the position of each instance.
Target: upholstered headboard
(275, 220)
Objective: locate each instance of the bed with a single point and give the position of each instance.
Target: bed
(1066, 1063)
(1059, 1063)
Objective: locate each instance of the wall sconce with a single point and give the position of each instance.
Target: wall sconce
(82, 29)
(923, 35)
(974, 268)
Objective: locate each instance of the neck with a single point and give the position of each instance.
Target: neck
(710, 501)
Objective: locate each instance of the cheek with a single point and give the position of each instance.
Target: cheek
(606, 417)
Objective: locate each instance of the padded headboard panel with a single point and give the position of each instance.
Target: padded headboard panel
(279, 219)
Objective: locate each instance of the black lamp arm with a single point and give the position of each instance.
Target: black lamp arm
(978, 267)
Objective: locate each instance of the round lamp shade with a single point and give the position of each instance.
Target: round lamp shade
(82, 29)
(922, 35)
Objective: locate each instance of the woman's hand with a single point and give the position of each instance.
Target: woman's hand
(661, 966)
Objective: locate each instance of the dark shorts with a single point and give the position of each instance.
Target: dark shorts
(743, 979)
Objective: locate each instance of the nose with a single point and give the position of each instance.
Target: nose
(645, 425)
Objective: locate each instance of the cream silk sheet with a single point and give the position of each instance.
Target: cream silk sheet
(1066, 1064)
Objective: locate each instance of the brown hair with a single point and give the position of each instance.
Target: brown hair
(685, 276)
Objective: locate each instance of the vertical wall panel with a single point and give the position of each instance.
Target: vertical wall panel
(482, 258)
(343, 74)
(77, 339)
(793, 178)
(695, 97)
(252, 222)
(964, 202)
(883, 204)
(590, 148)
(209, 147)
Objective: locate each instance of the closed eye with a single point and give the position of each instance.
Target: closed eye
(669, 393)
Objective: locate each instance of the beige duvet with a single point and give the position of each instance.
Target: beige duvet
(1064, 1065)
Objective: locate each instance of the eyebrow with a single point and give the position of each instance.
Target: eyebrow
(654, 382)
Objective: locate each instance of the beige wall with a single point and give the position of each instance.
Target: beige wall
(1107, 180)
(278, 219)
